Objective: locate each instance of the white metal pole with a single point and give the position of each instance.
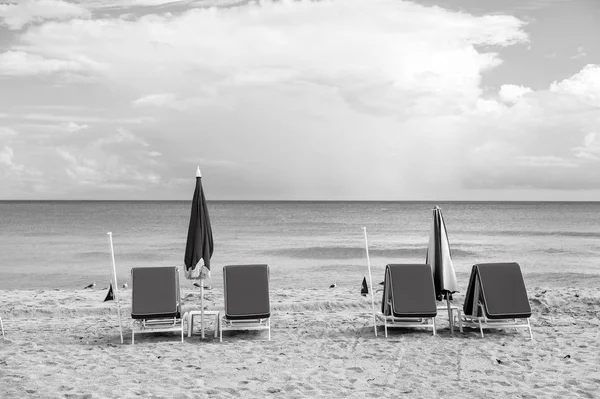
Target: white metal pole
(450, 314)
(114, 281)
(370, 282)
(201, 305)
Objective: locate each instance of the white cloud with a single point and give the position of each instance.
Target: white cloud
(73, 127)
(589, 139)
(585, 85)
(56, 107)
(12, 168)
(6, 158)
(81, 168)
(171, 101)
(390, 87)
(128, 4)
(386, 49)
(119, 161)
(545, 161)
(20, 63)
(82, 118)
(7, 132)
(590, 149)
(160, 100)
(153, 2)
(544, 140)
(20, 13)
(121, 137)
(580, 53)
(92, 167)
(512, 93)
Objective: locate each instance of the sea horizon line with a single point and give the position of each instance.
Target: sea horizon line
(425, 201)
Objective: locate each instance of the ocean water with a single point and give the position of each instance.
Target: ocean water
(64, 244)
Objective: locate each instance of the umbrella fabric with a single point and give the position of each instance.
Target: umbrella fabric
(440, 259)
(199, 247)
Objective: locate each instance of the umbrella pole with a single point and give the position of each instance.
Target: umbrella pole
(370, 282)
(202, 306)
(114, 280)
(450, 316)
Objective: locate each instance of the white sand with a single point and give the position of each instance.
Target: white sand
(66, 344)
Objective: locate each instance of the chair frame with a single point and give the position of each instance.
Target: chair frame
(400, 322)
(146, 326)
(482, 322)
(226, 324)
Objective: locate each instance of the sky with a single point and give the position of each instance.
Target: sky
(300, 100)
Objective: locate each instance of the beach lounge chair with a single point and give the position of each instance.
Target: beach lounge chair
(408, 297)
(247, 305)
(155, 300)
(496, 298)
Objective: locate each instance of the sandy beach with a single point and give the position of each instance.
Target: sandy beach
(63, 343)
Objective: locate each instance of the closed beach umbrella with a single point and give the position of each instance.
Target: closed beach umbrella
(440, 259)
(199, 246)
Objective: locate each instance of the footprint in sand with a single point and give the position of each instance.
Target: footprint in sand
(356, 369)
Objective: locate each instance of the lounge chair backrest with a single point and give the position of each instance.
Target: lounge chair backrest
(246, 291)
(501, 290)
(155, 292)
(410, 289)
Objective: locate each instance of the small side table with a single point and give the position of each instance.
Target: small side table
(456, 311)
(189, 318)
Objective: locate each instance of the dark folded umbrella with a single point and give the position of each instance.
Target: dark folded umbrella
(199, 247)
(363, 288)
(110, 296)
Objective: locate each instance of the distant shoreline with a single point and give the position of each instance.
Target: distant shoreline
(292, 201)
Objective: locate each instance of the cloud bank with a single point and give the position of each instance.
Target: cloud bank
(302, 99)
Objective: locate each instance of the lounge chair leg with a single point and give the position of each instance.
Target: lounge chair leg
(132, 337)
(269, 321)
(434, 331)
(481, 328)
(220, 330)
(385, 326)
(218, 317)
(529, 326)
